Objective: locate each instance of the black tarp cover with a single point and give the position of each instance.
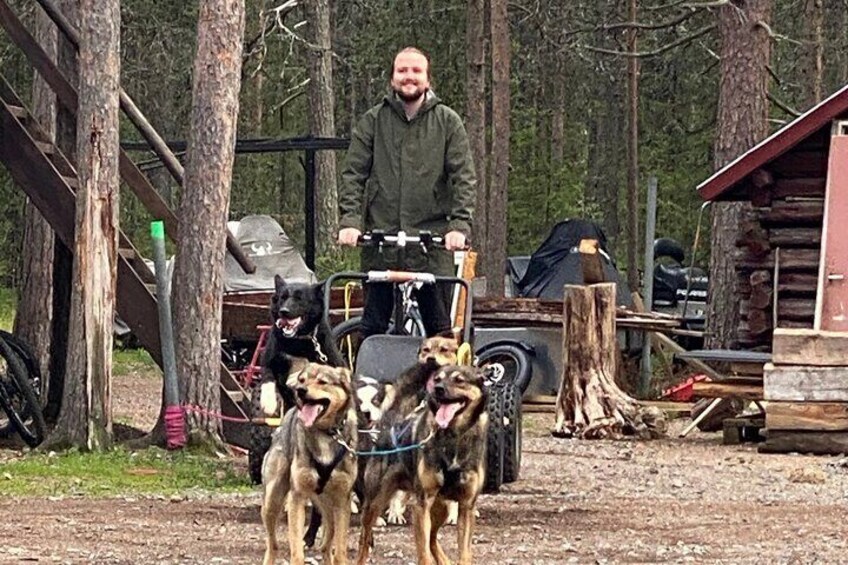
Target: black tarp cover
(556, 263)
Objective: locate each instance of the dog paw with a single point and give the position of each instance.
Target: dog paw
(380, 523)
(395, 519)
(354, 508)
(268, 398)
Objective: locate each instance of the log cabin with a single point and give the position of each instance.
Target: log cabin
(792, 271)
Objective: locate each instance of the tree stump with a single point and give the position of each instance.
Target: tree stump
(590, 404)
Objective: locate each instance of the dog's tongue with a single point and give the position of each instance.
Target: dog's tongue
(308, 413)
(446, 413)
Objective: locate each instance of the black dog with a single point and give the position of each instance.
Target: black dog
(300, 335)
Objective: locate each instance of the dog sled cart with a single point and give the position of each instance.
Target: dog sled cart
(384, 356)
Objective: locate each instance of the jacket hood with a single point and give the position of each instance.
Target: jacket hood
(430, 102)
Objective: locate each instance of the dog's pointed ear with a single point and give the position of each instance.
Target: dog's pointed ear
(490, 373)
(279, 283)
(319, 289)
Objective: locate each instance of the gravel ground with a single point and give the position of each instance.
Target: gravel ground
(668, 501)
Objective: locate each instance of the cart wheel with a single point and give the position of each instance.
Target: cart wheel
(260, 438)
(494, 442)
(512, 432)
(516, 362)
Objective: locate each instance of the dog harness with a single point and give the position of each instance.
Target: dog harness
(326, 471)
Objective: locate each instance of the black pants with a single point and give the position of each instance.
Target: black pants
(432, 303)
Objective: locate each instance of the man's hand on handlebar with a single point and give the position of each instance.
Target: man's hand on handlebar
(454, 240)
(349, 236)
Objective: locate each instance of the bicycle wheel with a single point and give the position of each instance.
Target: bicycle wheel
(18, 399)
(516, 362)
(24, 351)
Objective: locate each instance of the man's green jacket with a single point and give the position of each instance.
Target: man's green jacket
(408, 175)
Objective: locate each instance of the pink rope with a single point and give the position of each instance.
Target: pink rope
(175, 434)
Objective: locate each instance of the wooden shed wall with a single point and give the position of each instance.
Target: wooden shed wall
(788, 198)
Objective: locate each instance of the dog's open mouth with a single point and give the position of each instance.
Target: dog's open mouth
(447, 411)
(289, 326)
(310, 410)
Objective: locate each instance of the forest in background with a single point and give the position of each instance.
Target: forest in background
(568, 119)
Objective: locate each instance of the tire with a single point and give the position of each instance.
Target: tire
(33, 374)
(512, 433)
(18, 399)
(494, 442)
(24, 351)
(260, 438)
(518, 367)
(347, 337)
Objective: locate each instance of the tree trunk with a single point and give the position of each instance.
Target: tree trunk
(742, 122)
(632, 155)
(607, 133)
(558, 114)
(66, 133)
(496, 231)
(35, 301)
(198, 277)
(590, 405)
(475, 114)
(810, 65)
(86, 417)
(322, 121)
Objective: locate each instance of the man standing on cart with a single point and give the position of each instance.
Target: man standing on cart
(409, 168)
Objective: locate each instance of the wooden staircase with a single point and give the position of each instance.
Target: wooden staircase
(50, 181)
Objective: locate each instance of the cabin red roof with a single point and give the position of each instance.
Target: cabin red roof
(718, 186)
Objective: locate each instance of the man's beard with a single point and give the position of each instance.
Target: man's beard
(413, 97)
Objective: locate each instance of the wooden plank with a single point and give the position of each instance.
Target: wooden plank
(832, 295)
(795, 237)
(809, 347)
(816, 443)
(727, 390)
(810, 416)
(747, 368)
(796, 383)
(792, 213)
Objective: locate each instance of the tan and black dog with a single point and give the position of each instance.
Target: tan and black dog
(400, 399)
(310, 459)
(415, 382)
(448, 466)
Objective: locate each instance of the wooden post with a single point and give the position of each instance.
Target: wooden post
(590, 261)
(589, 404)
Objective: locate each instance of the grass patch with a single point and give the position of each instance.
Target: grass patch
(7, 308)
(119, 472)
(133, 361)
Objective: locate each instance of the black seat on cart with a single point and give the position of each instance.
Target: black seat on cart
(385, 357)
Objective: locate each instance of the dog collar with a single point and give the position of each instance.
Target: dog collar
(313, 337)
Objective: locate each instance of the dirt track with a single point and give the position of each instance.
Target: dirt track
(669, 501)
